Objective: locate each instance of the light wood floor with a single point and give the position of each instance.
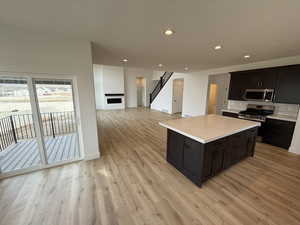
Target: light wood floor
(133, 185)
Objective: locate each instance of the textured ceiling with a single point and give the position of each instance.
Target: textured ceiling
(265, 29)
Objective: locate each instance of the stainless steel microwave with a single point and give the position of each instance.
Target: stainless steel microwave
(262, 95)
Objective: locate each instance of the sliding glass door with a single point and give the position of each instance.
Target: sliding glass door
(19, 147)
(58, 119)
(38, 125)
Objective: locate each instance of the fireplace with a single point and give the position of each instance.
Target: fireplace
(114, 101)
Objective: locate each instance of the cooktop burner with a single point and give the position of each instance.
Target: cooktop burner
(257, 112)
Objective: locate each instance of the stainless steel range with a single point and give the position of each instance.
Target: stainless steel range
(257, 112)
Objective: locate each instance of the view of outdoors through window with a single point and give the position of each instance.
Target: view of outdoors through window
(14, 98)
(18, 136)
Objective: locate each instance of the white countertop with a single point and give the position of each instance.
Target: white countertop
(273, 116)
(208, 128)
(283, 117)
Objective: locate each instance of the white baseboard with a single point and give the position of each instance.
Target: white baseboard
(293, 150)
(92, 156)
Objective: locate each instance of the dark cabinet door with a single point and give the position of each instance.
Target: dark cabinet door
(288, 85)
(217, 161)
(191, 157)
(214, 157)
(175, 149)
(228, 156)
(251, 79)
(237, 87)
(262, 78)
(238, 147)
(279, 133)
(251, 141)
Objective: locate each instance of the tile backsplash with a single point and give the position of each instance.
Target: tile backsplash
(283, 109)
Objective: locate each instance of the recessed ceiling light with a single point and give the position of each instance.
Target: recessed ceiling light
(186, 68)
(169, 32)
(160, 65)
(125, 60)
(218, 47)
(247, 56)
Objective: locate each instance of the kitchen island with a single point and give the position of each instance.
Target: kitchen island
(201, 147)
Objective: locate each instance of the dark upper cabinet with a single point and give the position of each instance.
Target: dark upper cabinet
(238, 84)
(288, 85)
(251, 79)
(261, 79)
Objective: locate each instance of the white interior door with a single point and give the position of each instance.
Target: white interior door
(177, 95)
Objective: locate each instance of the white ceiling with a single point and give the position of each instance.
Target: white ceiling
(132, 29)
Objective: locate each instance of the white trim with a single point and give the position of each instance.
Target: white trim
(293, 150)
(37, 121)
(91, 157)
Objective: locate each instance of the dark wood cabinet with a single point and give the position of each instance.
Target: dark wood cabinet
(288, 85)
(284, 80)
(215, 153)
(278, 133)
(200, 162)
(238, 85)
(191, 154)
(175, 149)
(251, 79)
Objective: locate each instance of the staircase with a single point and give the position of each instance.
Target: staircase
(161, 83)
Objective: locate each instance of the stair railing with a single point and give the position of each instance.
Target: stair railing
(163, 80)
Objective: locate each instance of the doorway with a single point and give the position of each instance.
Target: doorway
(218, 86)
(38, 126)
(177, 98)
(212, 98)
(141, 91)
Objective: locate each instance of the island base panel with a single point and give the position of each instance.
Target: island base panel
(199, 162)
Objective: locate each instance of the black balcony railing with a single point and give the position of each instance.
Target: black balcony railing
(19, 127)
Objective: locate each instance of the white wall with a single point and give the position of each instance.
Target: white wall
(194, 94)
(295, 145)
(39, 56)
(113, 79)
(108, 80)
(157, 74)
(131, 88)
(163, 101)
(98, 83)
